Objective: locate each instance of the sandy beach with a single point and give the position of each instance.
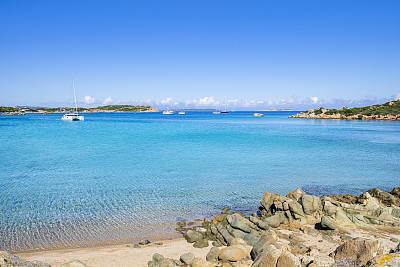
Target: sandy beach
(119, 255)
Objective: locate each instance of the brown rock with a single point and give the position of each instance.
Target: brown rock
(296, 194)
(360, 250)
(287, 259)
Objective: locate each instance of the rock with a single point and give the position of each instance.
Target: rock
(328, 223)
(10, 260)
(251, 239)
(287, 259)
(235, 232)
(181, 223)
(187, 258)
(212, 255)
(202, 243)
(197, 262)
(310, 204)
(144, 242)
(275, 220)
(360, 250)
(296, 209)
(261, 224)
(311, 231)
(385, 198)
(217, 243)
(329, 208)
(345, 237)
(157, 257)
(233, 253)
(389, 260)
(74, 263)
(235, 221)
(167, 263)
(193, 236)
(296, 194)
(322, 260)
(268, 238)
(269, 257)
(226, 210)
(268, 199)
(227, 237)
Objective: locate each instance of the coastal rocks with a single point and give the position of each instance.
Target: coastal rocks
(10, 260)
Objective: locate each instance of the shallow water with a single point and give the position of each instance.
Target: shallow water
(126, 175)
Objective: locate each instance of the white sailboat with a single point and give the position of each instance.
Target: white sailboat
(168, 112)
(217, 111)
(182, 112)
(73, 115)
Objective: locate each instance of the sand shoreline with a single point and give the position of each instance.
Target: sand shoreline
(116, 255)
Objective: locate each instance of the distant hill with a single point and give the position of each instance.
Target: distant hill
(110, 108)
(389, 111)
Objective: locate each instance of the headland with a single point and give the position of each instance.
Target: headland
(389, 111)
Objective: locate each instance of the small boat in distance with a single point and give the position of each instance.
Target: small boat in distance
(226, 109)
(73, 115)
(182, 112)
(168, 112)
(217, 111)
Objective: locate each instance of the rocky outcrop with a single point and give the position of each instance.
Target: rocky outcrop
(239, 240)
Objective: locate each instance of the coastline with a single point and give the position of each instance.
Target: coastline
(302, 229)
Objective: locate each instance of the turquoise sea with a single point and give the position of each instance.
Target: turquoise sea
(121, 176)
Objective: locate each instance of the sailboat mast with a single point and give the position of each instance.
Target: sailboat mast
(73, 87)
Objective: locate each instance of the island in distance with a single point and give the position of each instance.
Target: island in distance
(389, 111)
(109, 108)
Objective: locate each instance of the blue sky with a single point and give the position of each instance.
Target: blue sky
(179, 53)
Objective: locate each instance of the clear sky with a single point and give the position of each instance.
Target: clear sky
(199, 53)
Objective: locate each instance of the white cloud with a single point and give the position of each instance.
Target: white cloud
(314, 99)
(203, 102)
(89, 100)
(108, 100)
(290, 100)
(169, 102)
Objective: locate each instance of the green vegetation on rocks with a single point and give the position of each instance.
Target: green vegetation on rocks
(388, 111)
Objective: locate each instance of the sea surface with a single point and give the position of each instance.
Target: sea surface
(130, 175)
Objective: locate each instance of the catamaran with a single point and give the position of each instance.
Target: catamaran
(168, 112)
(73, 115)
